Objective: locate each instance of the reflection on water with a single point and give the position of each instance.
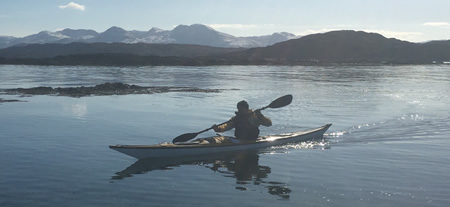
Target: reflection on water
(243, 166)
(77, 110)
(246, 169)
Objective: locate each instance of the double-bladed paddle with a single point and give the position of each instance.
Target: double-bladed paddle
(278, 103)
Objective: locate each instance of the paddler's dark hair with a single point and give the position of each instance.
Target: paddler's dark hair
(243, 104)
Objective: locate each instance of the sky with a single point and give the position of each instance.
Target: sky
(409, 20)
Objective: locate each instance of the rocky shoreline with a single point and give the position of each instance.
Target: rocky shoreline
(105, 89)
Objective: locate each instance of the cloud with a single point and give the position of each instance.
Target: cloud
(315, 31)
(436, 24)
(72, 5)
(408, 36)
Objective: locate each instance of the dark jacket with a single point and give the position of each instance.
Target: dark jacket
(246, 124)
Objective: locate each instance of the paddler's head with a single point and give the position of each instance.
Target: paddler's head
(242, 107)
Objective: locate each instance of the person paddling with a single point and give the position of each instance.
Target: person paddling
(245, 129)
(246, 122)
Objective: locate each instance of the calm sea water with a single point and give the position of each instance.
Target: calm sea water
(388, 146)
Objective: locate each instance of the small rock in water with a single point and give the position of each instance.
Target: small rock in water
(8, 100)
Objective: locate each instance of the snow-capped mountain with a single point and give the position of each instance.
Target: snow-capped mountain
(197, 34)
(42, 37)
(79, 34)
(201, 35)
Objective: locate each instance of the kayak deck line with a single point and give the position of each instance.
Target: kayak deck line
(193, 148)
(268, 138)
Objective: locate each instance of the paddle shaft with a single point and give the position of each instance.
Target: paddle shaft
(211, 128)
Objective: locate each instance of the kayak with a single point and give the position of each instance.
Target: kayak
(166, 150)
(200, 147)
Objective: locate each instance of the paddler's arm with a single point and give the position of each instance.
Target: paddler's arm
(262, 119)
(224, 127)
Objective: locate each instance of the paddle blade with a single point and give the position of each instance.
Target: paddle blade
(281, 102)
(184, 137)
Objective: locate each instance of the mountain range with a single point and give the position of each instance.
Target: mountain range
(336, 47)
(197, 34)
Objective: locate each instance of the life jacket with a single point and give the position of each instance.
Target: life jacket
(246, 126)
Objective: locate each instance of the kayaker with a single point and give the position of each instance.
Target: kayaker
(245, 123)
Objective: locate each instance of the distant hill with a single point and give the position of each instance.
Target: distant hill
(337, 47)
(183, 34)
(139, 49)
(346, 47)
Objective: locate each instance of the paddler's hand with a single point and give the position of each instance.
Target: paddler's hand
(258, 113)
(215, 127)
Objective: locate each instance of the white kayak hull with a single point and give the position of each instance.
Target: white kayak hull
(180, 150)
